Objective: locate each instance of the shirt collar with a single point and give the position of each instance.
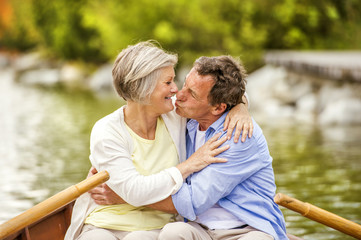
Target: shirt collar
(217, 126)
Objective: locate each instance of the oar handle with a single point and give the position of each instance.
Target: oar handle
(51, 204)
(319, 215)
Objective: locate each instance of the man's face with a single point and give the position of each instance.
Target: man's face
(192, 99)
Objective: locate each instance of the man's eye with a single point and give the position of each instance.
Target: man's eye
(168, 83)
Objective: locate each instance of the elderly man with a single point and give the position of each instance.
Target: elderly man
(232, 200)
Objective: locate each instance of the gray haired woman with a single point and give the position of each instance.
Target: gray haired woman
(142, 146)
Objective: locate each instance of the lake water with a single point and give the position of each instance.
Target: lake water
(44, 148)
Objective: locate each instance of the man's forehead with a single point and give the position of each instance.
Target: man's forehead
(190, 72)
(199, 86)
(196, 78)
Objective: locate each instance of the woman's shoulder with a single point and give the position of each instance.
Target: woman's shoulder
(111, 123)
(115, 116)
(110, 131)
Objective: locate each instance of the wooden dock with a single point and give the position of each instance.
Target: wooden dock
(336, 65)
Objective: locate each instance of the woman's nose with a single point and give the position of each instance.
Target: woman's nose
(174, 88)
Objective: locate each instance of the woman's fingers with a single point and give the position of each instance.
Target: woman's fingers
(219, 150)
(219, 160)
(244, 132)
(204, 156)
(214, 143)
(218, 142)
(226, 122)
(243, 128)
(246, 128)
(250, 133)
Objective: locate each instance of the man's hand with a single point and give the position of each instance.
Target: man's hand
(92, 171)
(103, 194)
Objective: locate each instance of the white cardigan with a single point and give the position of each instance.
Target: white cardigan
(111, 147)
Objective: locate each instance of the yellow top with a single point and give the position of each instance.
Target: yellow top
(149, 157)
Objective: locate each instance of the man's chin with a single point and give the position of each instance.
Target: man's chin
(178, 111)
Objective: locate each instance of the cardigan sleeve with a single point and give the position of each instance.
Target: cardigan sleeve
(110, 151)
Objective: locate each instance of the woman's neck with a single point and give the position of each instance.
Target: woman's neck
(141, 119)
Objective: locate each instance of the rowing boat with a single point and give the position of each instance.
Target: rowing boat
(54, 226)
(51, 218)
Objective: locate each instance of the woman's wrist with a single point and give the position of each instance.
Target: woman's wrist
(185, 169)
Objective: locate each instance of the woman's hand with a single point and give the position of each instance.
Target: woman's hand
(240, 119)
(103, 194)
(204, 156)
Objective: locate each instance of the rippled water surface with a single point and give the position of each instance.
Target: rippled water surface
(44, 148)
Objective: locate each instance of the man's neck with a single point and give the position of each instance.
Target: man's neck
(205, 123)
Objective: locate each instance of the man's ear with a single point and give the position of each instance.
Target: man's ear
(219, 109)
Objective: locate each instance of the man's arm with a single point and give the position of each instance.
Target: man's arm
(165, 205)
(208, 186)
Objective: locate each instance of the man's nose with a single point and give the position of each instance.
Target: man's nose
(180, 95)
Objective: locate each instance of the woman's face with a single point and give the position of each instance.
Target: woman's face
(160, 99)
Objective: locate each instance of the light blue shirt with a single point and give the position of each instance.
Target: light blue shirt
(244, 185)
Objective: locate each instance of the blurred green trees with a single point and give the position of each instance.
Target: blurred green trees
(96, 30)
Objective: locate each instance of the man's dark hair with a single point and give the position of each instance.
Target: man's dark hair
(229, 79)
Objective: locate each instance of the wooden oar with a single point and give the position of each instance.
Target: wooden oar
(51, 204)
(319, 215)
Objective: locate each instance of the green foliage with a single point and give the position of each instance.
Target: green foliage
(60, 25)
(96, 30)
(22, 34)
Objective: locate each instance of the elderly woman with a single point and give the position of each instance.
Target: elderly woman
(142, 146)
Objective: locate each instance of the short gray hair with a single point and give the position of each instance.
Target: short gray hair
(137, 69)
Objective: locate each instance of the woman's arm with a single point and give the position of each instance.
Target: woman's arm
(104, 195)
(239, 118)
(204, 156)
(137, 189)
